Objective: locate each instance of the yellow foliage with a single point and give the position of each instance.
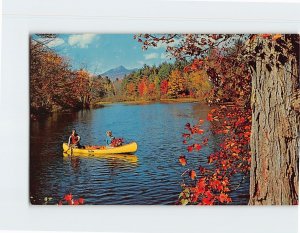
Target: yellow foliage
(199, 83)
(177, 83)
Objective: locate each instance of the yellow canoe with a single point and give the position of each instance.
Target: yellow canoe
(130, 148)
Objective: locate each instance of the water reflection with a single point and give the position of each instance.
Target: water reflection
(75, 163)
(118, 160)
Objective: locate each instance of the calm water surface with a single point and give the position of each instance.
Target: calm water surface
(152, 176)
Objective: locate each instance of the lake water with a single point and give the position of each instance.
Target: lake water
(150, 177)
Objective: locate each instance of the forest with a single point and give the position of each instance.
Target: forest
(163, 82)
(55, 86)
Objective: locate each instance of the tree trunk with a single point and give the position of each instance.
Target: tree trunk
(275, 122)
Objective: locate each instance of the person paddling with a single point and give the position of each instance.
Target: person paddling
(74, 140)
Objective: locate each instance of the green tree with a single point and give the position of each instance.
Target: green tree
(164, 70)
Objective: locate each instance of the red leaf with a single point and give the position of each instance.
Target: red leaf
(193, 174)
(190, 148)
(216, 184)
(186, 135)
(265, 36)
(197, 147)
(207, 201)
(186, 69)
(208, 194)
(81, 201)
(224, 198)
(68, 197)
(209, 117)
(76, 202)
(182, 160)
(199, 131)
(201, 185)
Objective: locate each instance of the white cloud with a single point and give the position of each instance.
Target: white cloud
(56, 42)
(81, 40)
(151, 56)
(52, 42)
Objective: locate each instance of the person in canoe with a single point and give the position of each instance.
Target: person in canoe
(111, 141)
(74, 140)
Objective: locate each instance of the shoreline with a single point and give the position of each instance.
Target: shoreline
(137, 102)
(102, 104)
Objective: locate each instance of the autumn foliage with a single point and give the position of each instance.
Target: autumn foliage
(69, 199)
(166, 81)
(54, 86)
(50, 81)
(231, 84)
(220, 58)
(213, 179)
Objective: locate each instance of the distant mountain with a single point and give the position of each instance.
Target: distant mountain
(118, 72)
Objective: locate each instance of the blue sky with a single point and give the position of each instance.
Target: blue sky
(101, 52)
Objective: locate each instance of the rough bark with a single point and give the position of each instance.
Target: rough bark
(275, 121)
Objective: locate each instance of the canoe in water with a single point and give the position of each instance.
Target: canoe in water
(130, 148)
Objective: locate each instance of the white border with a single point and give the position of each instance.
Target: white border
(65, 16)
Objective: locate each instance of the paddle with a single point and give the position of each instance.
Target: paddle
(69, 147)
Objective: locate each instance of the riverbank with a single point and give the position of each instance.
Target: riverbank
(140, 102)
(101, 104)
